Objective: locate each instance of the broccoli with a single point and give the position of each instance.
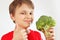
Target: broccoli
(44, 23)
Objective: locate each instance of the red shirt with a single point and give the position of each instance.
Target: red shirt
(33, 35)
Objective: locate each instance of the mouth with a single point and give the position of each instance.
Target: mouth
(28, 21)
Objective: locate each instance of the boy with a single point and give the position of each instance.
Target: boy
(21, 12)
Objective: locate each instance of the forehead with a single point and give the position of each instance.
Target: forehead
(24, 7)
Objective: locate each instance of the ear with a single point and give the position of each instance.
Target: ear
(12, 17)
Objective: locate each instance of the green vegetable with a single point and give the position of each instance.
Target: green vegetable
(44, 23)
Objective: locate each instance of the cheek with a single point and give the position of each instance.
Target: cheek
(19, 18)
(32, 19)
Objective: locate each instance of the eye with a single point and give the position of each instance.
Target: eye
(51, 31)
(31, 13)
(22, 13)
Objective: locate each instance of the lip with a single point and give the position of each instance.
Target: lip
(28, 21)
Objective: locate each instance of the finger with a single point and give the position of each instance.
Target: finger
(52, 38)
(51, 30)
(25, 37)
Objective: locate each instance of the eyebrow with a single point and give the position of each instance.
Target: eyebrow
(26, 11)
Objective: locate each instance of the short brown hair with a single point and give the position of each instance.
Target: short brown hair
(16, 3)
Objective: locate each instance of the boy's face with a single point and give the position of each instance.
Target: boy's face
(23, 16)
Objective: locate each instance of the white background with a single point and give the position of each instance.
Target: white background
(42, 7)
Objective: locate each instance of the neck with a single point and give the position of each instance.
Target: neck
(18, 28)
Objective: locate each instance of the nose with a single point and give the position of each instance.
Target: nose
(28, 16)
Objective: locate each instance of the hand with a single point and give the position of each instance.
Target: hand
(51, 36)
(19, 34)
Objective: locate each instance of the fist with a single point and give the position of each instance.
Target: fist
(51, 35)
(20, 35)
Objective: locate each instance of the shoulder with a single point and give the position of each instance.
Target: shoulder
(7, 36)
(35, 35)
(42, 35)
(35, 32)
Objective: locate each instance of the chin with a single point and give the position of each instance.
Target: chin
(26, 26)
